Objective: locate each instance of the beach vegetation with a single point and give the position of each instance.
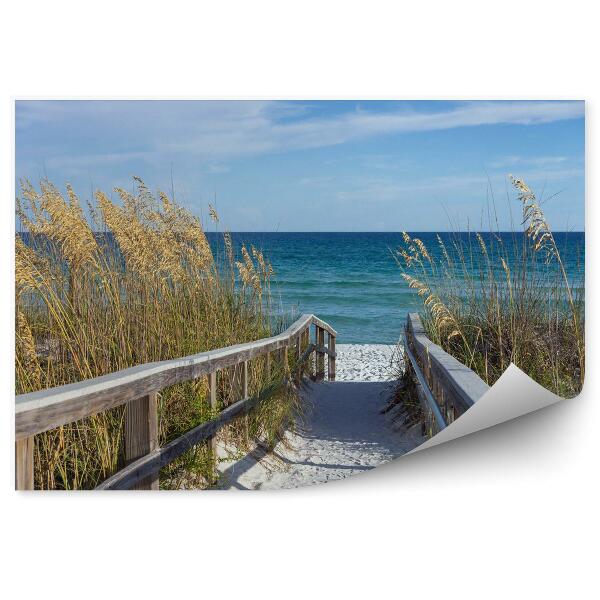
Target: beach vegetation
(491, 300)
(132, 280)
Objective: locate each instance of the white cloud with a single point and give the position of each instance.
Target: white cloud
(383, 190)
(350, 126)
(83, 160)
(538, 161)
(217, 169)
(220, 130)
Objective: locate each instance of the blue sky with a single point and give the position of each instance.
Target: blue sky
(317, 165)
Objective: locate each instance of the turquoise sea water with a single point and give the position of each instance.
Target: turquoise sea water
(352, 281)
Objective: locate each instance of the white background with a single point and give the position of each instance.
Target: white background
(510, 512)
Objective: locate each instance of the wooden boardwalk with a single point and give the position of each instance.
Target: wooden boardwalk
(137, 388)
(343, 433)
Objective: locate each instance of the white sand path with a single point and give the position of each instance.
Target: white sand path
(365, 362)
(343, 431)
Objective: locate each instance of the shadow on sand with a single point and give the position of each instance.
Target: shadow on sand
(345, 415)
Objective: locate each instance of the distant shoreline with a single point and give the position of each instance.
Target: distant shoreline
(388, 232)
(395, 231)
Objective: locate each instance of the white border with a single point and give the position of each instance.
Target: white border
(509, 512)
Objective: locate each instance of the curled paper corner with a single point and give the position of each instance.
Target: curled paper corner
(513, 395)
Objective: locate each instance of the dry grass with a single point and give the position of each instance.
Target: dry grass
(146, 288)
(490, 303)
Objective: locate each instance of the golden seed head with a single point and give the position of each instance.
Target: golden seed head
(213, 213)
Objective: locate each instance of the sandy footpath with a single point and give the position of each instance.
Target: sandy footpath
(365, 362)
(342, 433)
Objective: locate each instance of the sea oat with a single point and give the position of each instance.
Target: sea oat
(26, 352)
(423, 249)
(156, 294)
(443, 249)
(481, 243)
(538, 229)
(61, 222)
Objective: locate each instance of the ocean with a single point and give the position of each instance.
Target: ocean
(352, 281)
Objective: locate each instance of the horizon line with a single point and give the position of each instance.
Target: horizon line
(398, 231)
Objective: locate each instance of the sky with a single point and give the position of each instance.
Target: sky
(317, 165)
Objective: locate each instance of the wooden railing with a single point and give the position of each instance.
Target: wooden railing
(137, 388)
(447, 387)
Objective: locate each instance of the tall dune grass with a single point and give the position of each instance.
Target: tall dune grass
(490, 303)
(139, 283)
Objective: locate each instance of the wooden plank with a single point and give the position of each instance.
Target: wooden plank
(331, 355)
(141, 434)
(41, 411)
(24, 464)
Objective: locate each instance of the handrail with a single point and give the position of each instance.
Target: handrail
(432, 405)
(47, 409)
(451, 384)
(40, 411)
(321, 324)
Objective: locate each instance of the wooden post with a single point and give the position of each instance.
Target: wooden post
(443, 401)
(212, 402)
(141, 434)
(245, 396)
(320, 335)
(312, 364)
(451, 414)
(331, 359)
(305, 343)
(312, 357)
(268, 365)
(236, 384)
(245, 380)
(299, 366)
(24, 464)
(283, 353)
